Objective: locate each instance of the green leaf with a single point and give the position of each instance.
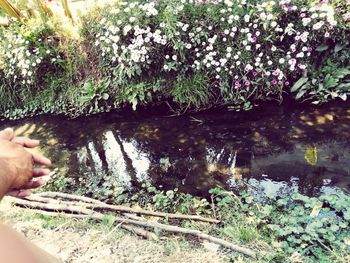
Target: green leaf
(311, 155)
(321, 48)
(338, 48)
(341, 73)
(134, 103)
(299, 83)
(300, 94)
(343, 97)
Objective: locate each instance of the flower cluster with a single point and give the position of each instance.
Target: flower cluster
(18, 59)
(265, 45)
(128, 43)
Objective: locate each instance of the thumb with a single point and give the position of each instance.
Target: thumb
(7, 134)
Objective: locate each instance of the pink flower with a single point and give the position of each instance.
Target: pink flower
(275, 73)
(237, 84)
(253, 39)
(302, 15)
(247, 83)
(286, 83)
(274, 82)
(255, 73)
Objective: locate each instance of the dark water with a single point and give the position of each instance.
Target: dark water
(263, 150)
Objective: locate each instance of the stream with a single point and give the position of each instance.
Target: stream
(272, 150)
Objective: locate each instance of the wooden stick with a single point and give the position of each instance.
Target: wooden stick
(98, 205)
(154, 225)
(55, 195)
(141, 232)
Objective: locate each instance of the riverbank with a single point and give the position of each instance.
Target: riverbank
(289, 229)
(81, 241)
(193, 56)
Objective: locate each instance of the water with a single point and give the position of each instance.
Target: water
(261, 150)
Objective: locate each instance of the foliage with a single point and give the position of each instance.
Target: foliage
(192, 91)
(313, 229)
(328, 80)
(197, 54)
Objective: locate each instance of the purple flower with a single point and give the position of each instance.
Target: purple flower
(255, 73)
(286, 83)
(253, 39)
(274, 82)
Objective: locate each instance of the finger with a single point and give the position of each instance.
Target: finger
(33, 184)
(19, 193)
(41, 160)
(26, 142)
(41, 172)
(7, 134)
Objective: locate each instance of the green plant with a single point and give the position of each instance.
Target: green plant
(328, 80)
(192, 91)
(10, 9)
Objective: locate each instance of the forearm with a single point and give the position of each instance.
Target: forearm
(5, 182)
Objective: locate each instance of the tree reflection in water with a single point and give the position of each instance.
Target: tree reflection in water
(259, 150)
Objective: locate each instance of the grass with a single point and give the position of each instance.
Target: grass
(88, 241)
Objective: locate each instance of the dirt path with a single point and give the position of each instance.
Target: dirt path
(83, 241)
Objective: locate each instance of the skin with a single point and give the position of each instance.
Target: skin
(19, 168)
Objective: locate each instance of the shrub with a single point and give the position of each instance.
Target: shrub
(199, 53)
(247, 50)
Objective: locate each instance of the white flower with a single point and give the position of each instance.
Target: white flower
(174, 57)
(273, 48)
(281, 60)
(300, 55)
(132, 19)
(306, 21)
(246, 18)
(269, 62)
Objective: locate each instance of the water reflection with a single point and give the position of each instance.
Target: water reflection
(256, 150)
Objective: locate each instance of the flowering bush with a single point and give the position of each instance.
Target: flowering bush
(245, 48)
(196, 53)
(23, 57)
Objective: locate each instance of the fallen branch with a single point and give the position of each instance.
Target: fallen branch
(56, 195)
(147, 224)
(51, 197)
(141, 232)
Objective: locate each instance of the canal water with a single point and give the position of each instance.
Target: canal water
(271, 150)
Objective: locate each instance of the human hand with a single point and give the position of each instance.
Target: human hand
(24, 183)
